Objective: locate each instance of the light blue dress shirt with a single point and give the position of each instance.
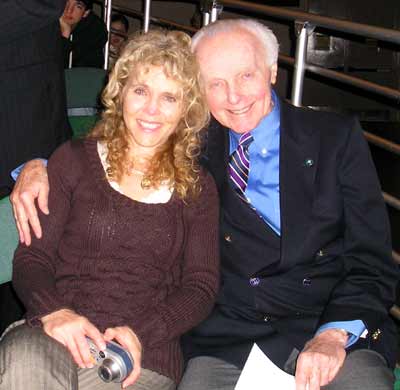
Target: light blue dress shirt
(262, 190)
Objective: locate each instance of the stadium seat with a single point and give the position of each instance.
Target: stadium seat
(8, 240)
(84, 86)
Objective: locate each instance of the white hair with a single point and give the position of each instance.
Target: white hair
(261, 32)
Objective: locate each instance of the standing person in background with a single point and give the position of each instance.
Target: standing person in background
(118, 35)
(84, 35)
(33, 116)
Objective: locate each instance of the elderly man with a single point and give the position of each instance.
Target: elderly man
(307, 272)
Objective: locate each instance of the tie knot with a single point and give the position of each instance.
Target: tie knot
(245, 140)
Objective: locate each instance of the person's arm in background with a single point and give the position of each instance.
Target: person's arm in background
(21, 17)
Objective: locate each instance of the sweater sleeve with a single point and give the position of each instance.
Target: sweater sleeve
(34, 267)
(194, 298)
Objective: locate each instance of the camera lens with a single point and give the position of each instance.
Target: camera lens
(105, 374)
(109, 371)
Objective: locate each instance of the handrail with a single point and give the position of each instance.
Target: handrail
(383, 143)
(146, 19)
(346, 79)
(391, 200)
(107, 20)
(360, 29)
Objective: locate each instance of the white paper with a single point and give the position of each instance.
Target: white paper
(260, 373)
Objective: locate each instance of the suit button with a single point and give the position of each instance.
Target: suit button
(228, 238)
(320, 253)
(309, 162)
(267, 318)
(306, 282)
(254, 282)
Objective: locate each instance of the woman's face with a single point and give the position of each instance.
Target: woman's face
(152, 106)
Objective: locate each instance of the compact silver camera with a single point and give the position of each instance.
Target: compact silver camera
(115, 363)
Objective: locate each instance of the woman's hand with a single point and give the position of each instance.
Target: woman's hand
(32, 183)
(71, 330)
(125, 336)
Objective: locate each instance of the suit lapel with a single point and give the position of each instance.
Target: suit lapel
(299, 152)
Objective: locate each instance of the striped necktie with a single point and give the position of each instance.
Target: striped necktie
(239, 165)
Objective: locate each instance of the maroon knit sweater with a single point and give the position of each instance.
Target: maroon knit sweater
(116, 261)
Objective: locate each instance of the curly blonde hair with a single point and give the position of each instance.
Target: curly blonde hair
(175, 162)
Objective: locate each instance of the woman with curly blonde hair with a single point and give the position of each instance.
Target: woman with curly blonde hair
(129, 251)
(175, 161)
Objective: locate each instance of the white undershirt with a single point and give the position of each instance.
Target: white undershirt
(160, 195)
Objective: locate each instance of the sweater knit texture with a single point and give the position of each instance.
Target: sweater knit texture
(116, 261)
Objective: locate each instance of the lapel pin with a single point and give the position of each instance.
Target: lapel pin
(309, 162)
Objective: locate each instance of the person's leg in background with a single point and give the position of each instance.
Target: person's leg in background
(11, 309)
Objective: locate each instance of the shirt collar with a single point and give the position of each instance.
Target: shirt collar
(266, 134)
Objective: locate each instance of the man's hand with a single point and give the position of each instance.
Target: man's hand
(71, 330)
(128, 339)
(321, 359)
(32, 183)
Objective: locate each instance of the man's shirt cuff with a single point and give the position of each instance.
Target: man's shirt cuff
(355, 329)
(15, 173)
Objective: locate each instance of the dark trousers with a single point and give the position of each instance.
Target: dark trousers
(11, 308)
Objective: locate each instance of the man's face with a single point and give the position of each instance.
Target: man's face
(74, 11)
(237, 79)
